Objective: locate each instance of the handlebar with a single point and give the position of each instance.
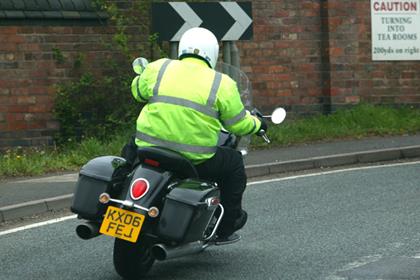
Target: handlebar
(262, 132)
(277, 117)
(264, 136)
(228, 139)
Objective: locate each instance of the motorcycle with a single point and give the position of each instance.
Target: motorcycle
(159, 209)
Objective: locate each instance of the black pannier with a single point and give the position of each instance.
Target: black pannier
(185, 214)
(99, 175)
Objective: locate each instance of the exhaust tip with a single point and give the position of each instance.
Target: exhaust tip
(162, 252)
(87, 230)
(159, 252)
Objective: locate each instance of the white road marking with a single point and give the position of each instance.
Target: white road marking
(57, 220)
(51, 179)
(40, 224)
(332, 172)
(353, 265)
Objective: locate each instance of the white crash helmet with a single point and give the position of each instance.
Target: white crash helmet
(200, 42)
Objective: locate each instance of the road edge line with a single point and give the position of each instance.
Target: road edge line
(30, 208)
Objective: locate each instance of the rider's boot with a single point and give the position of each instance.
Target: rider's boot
(226, 233)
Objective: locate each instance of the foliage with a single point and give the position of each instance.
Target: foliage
(78, 61)
(360, 121)
(93, 107)
(96, 105)
(58, 55)
(37, 161)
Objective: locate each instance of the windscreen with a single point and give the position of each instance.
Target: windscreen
(245, 90)
(241, 80)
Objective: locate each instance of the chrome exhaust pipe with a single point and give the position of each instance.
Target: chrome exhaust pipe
(162, 252)
(87, 230)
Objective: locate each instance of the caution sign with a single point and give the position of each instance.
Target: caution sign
(395, 29)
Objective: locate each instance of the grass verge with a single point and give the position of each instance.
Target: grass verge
(38, 161)
(360, 121)
(363, 120)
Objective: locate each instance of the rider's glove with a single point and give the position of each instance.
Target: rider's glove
(263, 127)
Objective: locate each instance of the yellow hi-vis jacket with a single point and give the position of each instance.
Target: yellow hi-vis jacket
(187, 104)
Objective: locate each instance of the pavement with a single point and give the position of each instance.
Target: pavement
(26, 197)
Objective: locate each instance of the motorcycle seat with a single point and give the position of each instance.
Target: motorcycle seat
(167, 160)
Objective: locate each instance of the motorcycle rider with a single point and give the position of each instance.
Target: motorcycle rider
(188, 102)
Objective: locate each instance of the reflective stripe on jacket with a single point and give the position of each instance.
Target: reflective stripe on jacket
(187, 104)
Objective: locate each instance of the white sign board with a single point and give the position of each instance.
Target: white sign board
(395, 29)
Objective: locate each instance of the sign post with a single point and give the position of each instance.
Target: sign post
(395, 29)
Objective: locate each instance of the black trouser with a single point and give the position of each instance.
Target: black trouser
(226, 168)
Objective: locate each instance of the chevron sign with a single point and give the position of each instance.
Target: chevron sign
(229, 21)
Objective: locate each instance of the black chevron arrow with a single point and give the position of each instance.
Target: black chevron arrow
(215, 18)
(227, 20)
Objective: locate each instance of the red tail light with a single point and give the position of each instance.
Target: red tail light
(139, 188)
(151, 162)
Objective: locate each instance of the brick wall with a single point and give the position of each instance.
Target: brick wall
(30, 69)
(35, 58)
(284, 59)
(315, 56)
(309, 56)
(354, 76)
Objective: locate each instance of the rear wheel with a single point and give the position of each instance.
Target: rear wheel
(133, 260)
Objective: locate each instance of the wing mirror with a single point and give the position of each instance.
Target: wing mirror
(139, 64)
(278, 115)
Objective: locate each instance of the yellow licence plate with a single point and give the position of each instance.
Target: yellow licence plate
(122, 224)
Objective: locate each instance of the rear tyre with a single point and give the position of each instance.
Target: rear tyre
(132, 260)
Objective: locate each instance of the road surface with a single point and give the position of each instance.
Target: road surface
(362, 223)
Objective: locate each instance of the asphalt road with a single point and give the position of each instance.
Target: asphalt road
(359, 224)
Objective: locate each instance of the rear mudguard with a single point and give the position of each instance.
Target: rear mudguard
(184, 210)
(158, 181)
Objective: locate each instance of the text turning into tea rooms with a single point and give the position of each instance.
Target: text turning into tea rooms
(395, 29)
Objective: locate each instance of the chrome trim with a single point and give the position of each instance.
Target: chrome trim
(164, 252)
(217, 223)
(126, 203)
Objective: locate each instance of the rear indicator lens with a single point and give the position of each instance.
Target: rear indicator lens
(153, 212)
(104, 198)
(139, 188)
(213, 201)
